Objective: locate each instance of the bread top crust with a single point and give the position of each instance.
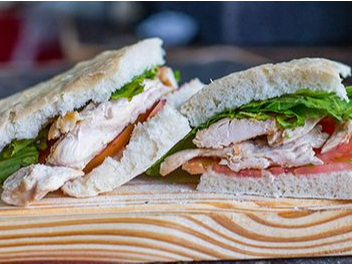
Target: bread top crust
(23, 114)
(265, 82)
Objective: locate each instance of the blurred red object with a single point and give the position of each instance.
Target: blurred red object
(9, 33)
(12, 25)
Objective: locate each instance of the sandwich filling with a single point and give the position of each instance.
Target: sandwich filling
(83, 138)
(303, 133)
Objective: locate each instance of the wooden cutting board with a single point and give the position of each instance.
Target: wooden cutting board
(166, 220)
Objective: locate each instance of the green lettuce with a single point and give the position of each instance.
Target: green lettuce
(177, 75)
(135, 86)
(289, 111)
(16, 155)
(21, 153)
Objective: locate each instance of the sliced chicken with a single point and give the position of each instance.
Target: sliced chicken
(255, 154)
(288, 135)
(230, 131)
(167, 77)
(101, 124)
(64, 124)
(258, 155)
(176, 160)
(33, 182)
(341, 135)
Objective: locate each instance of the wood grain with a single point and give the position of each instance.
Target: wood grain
(166, 220)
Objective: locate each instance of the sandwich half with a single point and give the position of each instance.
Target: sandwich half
(277, 130)
(83, 120)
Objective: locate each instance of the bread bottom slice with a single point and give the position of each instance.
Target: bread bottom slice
(333, 185)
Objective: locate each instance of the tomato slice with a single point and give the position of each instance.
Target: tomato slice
(328, 125)
(325, 168)
(242, 173)
(278, 170)
(339, 154)
(158, 107)
(115, 147)
(199, 165)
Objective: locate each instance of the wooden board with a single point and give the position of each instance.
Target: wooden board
(153, 220)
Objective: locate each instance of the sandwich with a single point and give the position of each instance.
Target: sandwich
(276, 130)
(93, 128)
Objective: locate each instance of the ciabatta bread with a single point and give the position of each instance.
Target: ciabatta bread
(333, 185)
(264, 82)
(178, 97)
(23, 114)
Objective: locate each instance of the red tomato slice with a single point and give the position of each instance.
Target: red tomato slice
(158, 107)
(328, 125)
(278, 170)
(199, 165)
(325, 168)
(115, 147)
(339, 154)
(244, 173)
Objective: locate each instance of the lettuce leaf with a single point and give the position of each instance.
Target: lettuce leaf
(21, 153)
(289, 111)
(24, 157)
(135, 86)
(177, 75)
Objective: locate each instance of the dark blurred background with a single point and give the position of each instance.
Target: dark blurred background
(204, 39)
